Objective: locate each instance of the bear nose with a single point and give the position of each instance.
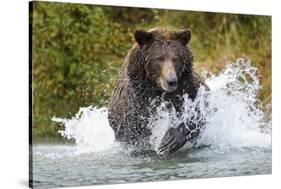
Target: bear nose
(172, 81)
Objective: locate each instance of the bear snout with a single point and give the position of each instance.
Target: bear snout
(172, 81)
(169, 80)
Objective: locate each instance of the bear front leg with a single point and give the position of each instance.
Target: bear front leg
(174, 139)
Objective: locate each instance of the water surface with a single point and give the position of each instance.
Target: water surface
(60, 165)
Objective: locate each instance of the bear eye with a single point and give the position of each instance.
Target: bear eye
(175, 59)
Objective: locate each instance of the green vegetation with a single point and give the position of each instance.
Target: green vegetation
(77, 51)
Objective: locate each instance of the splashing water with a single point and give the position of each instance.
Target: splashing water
(89, 128)
(237, 133)
(238, 121)
(233, 117)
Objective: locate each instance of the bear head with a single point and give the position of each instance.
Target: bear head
(163, 56)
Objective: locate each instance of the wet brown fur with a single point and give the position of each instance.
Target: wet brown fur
(137, 86)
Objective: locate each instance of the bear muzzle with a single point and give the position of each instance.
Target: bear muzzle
(172, 82)
(168, 78)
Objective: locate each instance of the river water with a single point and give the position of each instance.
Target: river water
(236, 140)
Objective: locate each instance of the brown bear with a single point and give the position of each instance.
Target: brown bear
(158, 66)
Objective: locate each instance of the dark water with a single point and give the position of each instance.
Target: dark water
(63, 165)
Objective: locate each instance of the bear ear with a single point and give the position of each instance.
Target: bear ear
(142, 37)
(183, 36)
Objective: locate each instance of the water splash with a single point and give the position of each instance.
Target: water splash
(233, 116)
(89, 128)
(238, 121)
